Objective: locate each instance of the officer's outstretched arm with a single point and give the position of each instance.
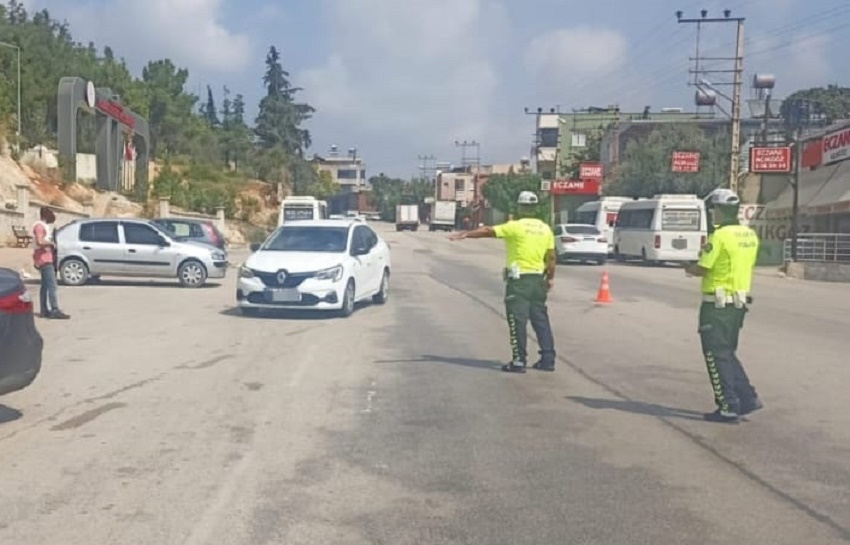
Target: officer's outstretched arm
(481, 232)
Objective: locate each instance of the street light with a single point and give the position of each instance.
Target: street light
(18, 49)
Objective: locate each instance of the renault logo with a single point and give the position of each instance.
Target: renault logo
(281, 277)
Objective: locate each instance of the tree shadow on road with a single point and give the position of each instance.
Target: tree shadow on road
(637, 407)
(488, 365)
(8, 414)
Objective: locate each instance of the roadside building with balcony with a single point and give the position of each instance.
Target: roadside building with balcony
(348, 170)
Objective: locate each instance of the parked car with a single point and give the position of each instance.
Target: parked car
(317, 265)
(133, 248)
(21, 344)
(193, 230)
(579, 242)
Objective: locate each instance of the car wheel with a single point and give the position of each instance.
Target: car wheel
(347, 300)
(249, 311)
(384, 292)
(74, 272)
(192, 274)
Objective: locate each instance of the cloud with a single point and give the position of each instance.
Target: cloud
(187, 31)
(416, 73)
(571, 53)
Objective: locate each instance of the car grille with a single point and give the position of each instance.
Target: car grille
(292, 280)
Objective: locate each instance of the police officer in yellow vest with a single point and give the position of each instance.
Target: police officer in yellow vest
(529, 275)
(726, 266)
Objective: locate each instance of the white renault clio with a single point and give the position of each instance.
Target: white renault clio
(315, 264)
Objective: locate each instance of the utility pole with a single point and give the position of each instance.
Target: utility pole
(706, 94)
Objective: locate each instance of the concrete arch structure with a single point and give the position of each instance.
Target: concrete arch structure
(112, 120)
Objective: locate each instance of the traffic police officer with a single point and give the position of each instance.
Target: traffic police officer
(529, 275)
(726, 266)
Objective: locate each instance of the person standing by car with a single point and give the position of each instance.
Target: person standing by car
(529, 275)
(726, 266)
(44, 259)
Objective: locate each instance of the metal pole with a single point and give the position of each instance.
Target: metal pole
(735, 164)
(795, 203)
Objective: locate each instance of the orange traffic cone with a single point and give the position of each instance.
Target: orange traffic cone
(604, 293)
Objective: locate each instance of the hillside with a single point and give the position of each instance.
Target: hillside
(256, 208)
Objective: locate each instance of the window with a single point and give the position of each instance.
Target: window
(680, 220)
(363, 236)
(135, 233)
(346, 174)
(635, 219)
(460, 185)
(582, 230)
(579, 140)
(308, 239)
(181, 229)
(548, 138)
(587, 218)
(295, 213)
(100, 231)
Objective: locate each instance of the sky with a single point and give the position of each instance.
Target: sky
(402, 79)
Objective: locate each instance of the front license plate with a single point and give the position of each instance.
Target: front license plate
(285, 296)
(680, 244)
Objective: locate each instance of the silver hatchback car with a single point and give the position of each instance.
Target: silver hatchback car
(133, 248)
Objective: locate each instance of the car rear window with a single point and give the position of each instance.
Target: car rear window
(582, 230)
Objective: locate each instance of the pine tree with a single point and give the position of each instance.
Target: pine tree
(278, 124)
(209, 111)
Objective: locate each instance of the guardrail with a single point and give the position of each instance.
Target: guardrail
(820, 247)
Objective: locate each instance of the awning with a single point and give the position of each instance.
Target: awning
(825, 190)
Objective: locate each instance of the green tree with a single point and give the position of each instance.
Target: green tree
(386, 194)
(170, 107)
(646, 166)
(209, 112)
(502, 191)
(280, 118)
(591, 152)
(828, 104)
(324, 186)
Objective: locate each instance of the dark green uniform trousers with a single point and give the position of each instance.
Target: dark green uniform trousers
(719, 330)
(525, 299)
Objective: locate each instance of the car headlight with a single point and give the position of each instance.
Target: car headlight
(333, 273)
(219, 256)
(245, 272)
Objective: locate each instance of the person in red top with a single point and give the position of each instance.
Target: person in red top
(44, 259)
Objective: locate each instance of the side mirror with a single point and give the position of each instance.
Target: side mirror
(255, 246)
(164, 243)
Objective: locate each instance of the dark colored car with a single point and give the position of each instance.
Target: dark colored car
(192, 230)
(21, 344)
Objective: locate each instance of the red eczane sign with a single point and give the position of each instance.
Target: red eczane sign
(685, 161)
(576, 187)
(836, 146)
(768, 160)
(590, 171)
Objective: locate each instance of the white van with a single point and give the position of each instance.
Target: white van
(663, 228)
(602, 214)
(302, 208)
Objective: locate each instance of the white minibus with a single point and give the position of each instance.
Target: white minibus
(602, 214)
(663, 228)
(302, 208)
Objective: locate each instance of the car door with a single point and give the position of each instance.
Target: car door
(146, 252)
(362, 263)
(377, 258)
(101, 246)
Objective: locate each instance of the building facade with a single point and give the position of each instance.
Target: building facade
(347, 170)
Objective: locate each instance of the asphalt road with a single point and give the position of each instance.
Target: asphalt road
(162, 416)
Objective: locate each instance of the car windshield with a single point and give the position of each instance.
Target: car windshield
(164, 231)
(308, 239)
(581, 230)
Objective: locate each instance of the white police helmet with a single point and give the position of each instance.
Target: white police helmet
(527, 197)
(723, 197)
